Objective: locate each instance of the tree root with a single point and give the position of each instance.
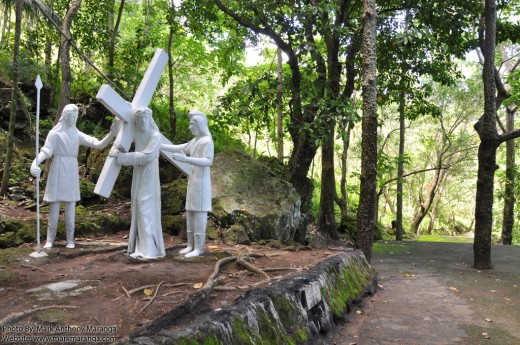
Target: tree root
(153, 297)
(252, 268)
(35, 268)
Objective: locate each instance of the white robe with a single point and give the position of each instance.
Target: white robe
(145, 238)
(63, 178)
(198, 196)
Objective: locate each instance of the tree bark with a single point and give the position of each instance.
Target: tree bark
(66, 77)
(14, 99)
(365, 218)
(400, 171)
(486, 129)
(111, 53)
(509, 192)
(508, 220)
(173, 114)
(326, 216)
(279, 94)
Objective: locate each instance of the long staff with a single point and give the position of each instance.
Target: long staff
(38, 85)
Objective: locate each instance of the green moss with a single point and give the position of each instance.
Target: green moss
(241, 331)
(14, 233)
(211, 340)
(9, 255)
(186, 341)
(302, 335)
(53, 316)
(345, 286)
(6, 275)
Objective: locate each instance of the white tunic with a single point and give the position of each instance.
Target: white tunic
(145, 238)
(198, 197)
(63, 178)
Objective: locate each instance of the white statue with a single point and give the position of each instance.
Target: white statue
(198, 199)
(62, 144)
(145, 238)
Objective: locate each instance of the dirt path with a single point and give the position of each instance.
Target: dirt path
(431, 295)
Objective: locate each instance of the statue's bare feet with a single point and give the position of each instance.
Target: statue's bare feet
(193, 253)
(186, 250)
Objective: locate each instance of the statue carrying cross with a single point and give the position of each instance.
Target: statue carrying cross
(145, 238)
(125, 111)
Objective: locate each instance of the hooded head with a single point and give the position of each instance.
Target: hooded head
(69, 116)
(144, 119)
(201, 121)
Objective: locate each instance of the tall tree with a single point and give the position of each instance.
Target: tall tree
(508, 219)
(494, 95)
(279, 98)
(171, 33)
(14, 98)
(365, 218)
(65, 44)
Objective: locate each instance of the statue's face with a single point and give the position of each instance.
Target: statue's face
(71, 118)
(141, 122)
(194, 127)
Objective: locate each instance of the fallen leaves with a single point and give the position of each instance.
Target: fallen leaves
(148, 292)
(197, 285)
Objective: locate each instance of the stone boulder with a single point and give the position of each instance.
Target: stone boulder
(247, 192)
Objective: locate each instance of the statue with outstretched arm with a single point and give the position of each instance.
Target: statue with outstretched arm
(62, 145)
(199, 154)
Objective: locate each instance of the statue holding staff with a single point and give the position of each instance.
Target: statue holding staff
(62, 144)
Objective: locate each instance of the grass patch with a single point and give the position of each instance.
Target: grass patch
(438, 238)
(384, 247)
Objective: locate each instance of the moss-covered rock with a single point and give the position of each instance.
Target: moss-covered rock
(249, 193)
(173, 197)
(174, 225)
(14, 233)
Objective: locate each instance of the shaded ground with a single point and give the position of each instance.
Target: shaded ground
(430, 295)
(100, 269)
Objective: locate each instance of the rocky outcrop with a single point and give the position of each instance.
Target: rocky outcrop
(247, 192)
(295, 310)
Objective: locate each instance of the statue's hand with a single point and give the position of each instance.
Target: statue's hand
(114, 152)
(116, 126)
(180, 157)
(36, 171)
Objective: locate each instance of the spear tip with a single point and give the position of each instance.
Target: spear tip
(38, 83)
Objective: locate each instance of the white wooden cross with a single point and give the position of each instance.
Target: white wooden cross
(125, 111)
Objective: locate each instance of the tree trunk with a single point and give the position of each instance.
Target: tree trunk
(326, 216)
(400, 172)
(365, 218)
(279, 94)
(14, 100)
(173, 114)
(509, 192)
(66, 77)
(486, 128)
(341, 200)
(111, 52)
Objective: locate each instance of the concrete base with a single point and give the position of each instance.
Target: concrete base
(38, 255)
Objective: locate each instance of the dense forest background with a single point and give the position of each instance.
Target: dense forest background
(397, 153)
